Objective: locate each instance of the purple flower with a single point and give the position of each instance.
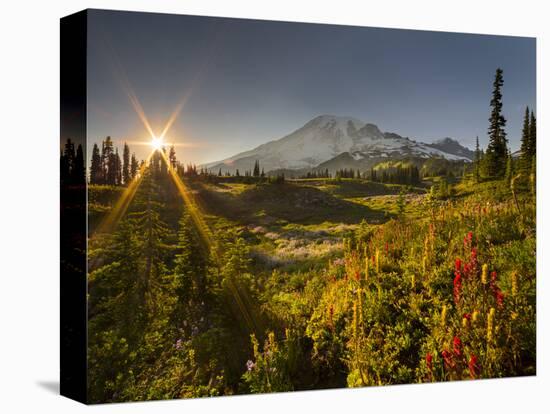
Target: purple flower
(250, 365)
(179, 344)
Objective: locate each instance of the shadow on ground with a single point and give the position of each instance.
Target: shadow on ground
(51, 386)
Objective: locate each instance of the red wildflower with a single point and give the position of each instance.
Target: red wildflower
(457, 286)
(457, 347)
(467, 316)
(499, 297)
(429, 359)
(473, 259)
(357, 275)
(447, 359)
(458, 264)
(473, 366)
(467, 269)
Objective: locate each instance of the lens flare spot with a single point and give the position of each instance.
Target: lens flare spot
(157, 143)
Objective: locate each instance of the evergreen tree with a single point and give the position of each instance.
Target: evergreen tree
(190, 271)
(496, 154)
(108, 164)
(96, 171)
(525, 156)
(133, 167)
(256, 172)
(172, 157)
(126, 164)
(118, 168)
(162, 165)
(533, 136)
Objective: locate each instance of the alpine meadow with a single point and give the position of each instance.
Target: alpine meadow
(223, 261)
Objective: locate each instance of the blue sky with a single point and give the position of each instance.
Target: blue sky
(247, 81)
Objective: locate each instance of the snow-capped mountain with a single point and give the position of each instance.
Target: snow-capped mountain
(327, 137)
(452, 146)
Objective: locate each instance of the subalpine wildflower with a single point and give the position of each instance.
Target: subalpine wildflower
(458, 264)
(367, 268)
(444, 315)
(377, 260)
(514, 283)
(457, 347)
(475, 316)
(490, 324)
(448, 359)
(468, 240)
(484, 273)
(331, 317)
(457, 287)
(429, 364)
(499, 298)
(473, 258)
(250, 365)
(473, 367)
(466, 320)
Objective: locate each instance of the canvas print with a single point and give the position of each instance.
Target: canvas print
(257, 206)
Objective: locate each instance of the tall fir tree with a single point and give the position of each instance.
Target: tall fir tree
(133, 166)
(533, 135)
(126, 164)
(525, 157)
(191, 268)
(256, 171)
(163, 170)
(108, 162)
(172, 157)
(497, 150)
(118, 168)
(96, 171)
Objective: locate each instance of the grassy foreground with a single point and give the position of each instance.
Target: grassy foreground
(321, 283)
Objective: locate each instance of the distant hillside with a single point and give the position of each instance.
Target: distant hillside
(335, 142)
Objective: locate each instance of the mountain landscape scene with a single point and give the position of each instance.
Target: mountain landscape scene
(301, 221)
(337, 142)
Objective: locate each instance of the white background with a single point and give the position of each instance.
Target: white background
(29, 219)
